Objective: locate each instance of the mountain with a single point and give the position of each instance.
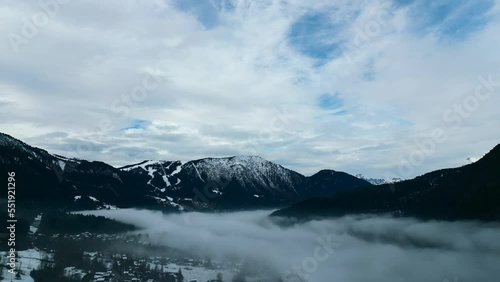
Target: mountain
(468, 192)
(57, 181)
(237, 182)
(232, 183)
(378, 181)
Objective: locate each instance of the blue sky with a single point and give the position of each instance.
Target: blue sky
(356, 86)
(449, 19)
(314, 35)
(136, 124)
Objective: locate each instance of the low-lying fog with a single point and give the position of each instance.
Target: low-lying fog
(348, 249)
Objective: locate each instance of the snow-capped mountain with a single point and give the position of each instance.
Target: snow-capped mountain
(237, 182)
(162, 174)
(250, 172)
(211, 183)
(378, 181)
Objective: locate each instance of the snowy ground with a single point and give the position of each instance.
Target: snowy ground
(70, 271)
(28, 260)
(199, 273)
(36, 224)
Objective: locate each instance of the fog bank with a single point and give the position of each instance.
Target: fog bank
(348, 249)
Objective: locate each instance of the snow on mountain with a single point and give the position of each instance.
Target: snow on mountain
(211, 183)
(142, 165)
(249, 171)
(8, 141)
(168, 201)
(378, 181)
(211, 178)
(475, 159)
(161, 176)
(156, 170)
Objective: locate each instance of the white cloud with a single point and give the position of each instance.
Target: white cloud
(240, 87)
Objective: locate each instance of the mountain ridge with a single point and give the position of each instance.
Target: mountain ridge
(468, 192)
(237, 182)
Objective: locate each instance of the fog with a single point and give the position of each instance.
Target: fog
(348, 249)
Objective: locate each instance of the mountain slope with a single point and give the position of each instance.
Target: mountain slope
(468, 192)
(62, 182)
(238, 182)
(211, 183)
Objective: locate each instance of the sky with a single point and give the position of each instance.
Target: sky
(381, 88)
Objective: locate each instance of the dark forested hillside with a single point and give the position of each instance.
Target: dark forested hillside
(232, 183)
(66, 223)
(468, 192)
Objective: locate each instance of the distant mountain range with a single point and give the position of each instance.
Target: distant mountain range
(232, 183)
(468, 192)
(378, 181)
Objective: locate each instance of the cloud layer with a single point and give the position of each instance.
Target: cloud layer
(353, 86)
(347, 249)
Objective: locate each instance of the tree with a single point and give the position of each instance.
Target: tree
(68, 254)
(208, 263)
(239, 277)
(180, 277)
(219, 277)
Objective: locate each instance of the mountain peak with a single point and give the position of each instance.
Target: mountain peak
(251, 157)
(236, 158)
(146, 163)
(325, 171)
(6, 139)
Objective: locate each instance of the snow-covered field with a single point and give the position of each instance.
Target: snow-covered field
(36, 224)
(27, 261)
(199, 273)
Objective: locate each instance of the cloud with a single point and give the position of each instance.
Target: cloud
(386, 249)
(450, 19)
(246, 77)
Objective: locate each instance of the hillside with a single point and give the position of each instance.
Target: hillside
(468, 192)
(233, 183)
